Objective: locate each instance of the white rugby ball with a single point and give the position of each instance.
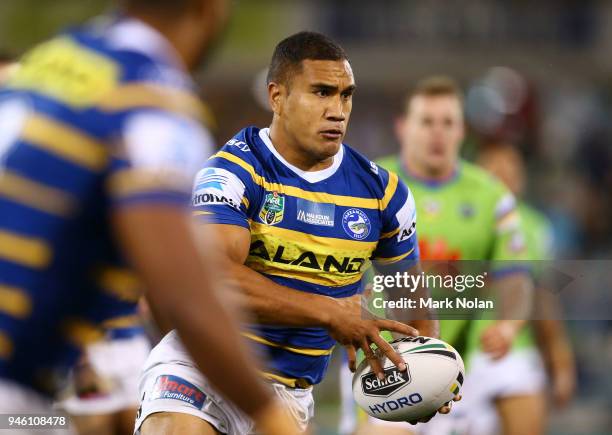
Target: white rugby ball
(435, 374)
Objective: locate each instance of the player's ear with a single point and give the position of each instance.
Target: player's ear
(275, 97)
(399, 127)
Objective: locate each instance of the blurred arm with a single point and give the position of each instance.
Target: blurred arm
(158, 242)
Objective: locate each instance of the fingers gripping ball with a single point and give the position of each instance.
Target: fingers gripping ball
(434, 376)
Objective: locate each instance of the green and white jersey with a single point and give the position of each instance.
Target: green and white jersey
(470, 216)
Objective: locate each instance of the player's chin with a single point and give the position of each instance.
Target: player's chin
(329, 145)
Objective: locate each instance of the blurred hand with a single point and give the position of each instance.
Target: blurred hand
(349, 328)
(497, 339)
(443, 410)
(87, 382)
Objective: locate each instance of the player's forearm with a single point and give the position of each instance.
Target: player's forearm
(271, 303)
(159, 244)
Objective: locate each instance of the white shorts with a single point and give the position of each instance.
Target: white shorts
(16, 399)
(172, 383)
(519, 373)
(120, 362)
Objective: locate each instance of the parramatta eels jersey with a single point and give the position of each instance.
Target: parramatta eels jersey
(96, 119)
(311, 231)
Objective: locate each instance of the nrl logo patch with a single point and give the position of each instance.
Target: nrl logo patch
(273, 209)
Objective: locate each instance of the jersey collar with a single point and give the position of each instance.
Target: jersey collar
(432, 183)
(310, 176)
(128, 33)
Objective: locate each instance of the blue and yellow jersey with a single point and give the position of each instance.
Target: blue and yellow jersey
(94, 120)
(315, 232)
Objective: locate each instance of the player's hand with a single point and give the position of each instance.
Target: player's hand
(497, 339)
(274, 419)
(87, 382)
(355, 328)
(562, 378)
(443, 410)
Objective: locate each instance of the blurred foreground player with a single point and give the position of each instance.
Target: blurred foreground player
(464, 214)
(507, 163)
(300, 214)
(102, 395)
(100, 137)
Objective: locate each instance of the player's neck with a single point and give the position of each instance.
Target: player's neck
(292, 153)
(426, 173)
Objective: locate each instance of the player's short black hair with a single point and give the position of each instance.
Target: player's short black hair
(166, 6)
(290, 52)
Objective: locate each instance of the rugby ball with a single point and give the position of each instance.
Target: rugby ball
(435, 374)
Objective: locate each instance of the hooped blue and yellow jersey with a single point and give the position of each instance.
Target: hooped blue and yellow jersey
(315, 232)
(94, 120)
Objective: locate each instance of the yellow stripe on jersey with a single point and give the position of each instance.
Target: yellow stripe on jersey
(67, 72)
(6, 346)
(151, 95)
(301, 351)
(389, 190)
(320, 279)
(26, 251)
(81, 333)
(36, 195)
(341, 200)
(390, 233)
(319, 260)
(123, 322)
(126, 182)
(202, 213)
(391, 260)
(65, 142)
(289, 382)
(15, 302)
(121, 283)
(323, 243)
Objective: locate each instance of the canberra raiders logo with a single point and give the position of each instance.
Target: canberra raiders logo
(273, 209)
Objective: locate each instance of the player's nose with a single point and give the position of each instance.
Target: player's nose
(335, 110)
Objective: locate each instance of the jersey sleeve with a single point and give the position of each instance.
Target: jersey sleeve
(398, 240)
(158, 155)
(509, 246)
(224, 191)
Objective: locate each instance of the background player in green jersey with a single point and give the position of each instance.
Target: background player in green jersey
(507, 163)
(464, 214)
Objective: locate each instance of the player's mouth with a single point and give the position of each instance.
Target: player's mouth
(332, 134)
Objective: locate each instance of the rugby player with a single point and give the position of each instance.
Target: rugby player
(300, 215)
(100, 134)
(464, 214)
(507, 163)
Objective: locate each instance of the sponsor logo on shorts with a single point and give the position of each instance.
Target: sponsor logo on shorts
(176, 388)
(315, 213)
(394, 380)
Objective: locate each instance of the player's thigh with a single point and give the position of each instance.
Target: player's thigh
(124, 421)
(95, 424)
(522, 415)
(369, 428)
(176, 423)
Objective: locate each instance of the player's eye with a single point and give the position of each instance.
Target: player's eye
(346, 96)
(322, 93)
